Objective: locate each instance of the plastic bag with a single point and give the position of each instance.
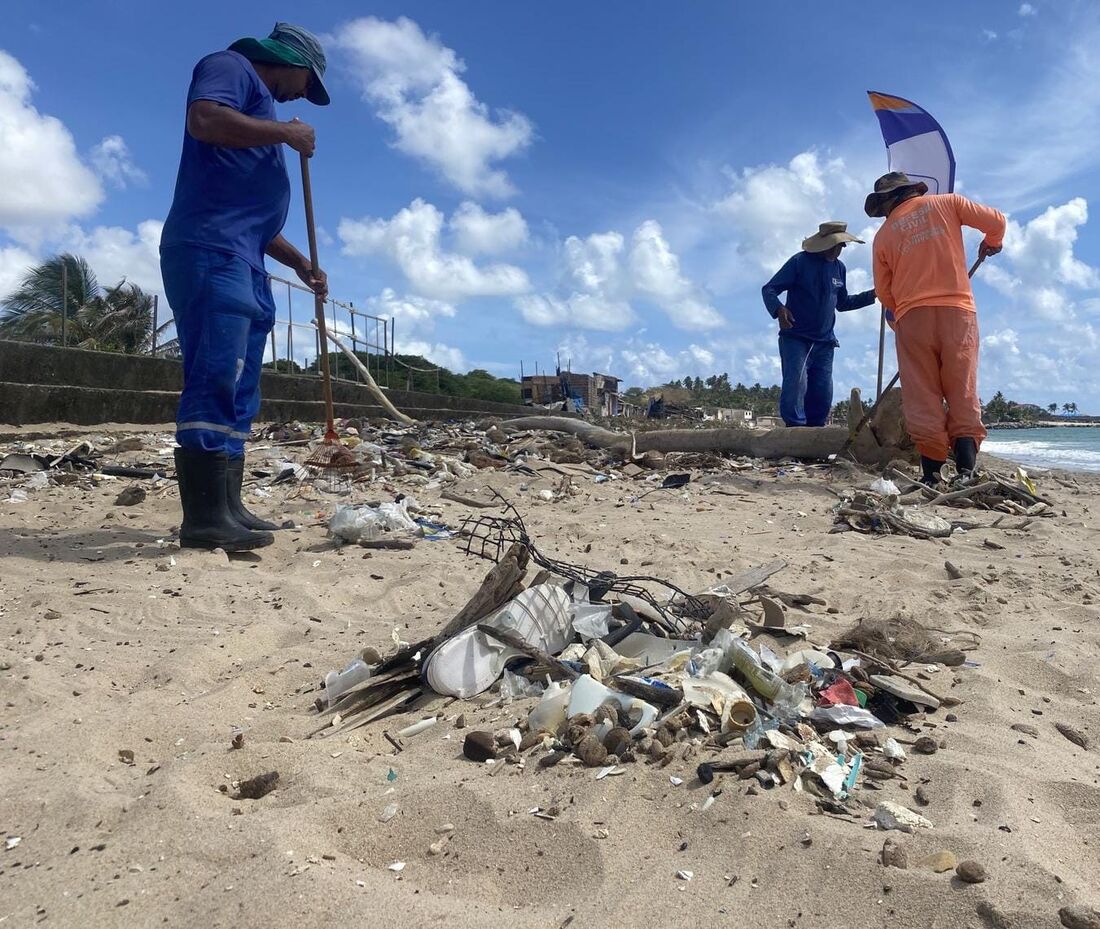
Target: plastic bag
(885, 487)
(362, 523)
(516, 686)
(590, 620)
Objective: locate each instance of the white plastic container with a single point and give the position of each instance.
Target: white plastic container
(587, 695)
(549, 713)
(338, 683)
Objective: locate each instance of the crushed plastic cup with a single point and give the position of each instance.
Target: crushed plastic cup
(516, 687)
(338, 683)
(588, 694)
(549, 714)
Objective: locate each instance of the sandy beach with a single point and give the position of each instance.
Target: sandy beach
(128, 665)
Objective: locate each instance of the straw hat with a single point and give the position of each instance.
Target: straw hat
(828, 235)
(890, 187)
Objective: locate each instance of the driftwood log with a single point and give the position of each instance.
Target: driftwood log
(809, 443)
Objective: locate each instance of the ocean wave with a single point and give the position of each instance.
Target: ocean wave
(1041, 452)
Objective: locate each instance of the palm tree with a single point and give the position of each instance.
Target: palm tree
(119, 319)
(33, 312)
(1053, 407)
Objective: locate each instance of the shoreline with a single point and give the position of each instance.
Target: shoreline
(1039, 424)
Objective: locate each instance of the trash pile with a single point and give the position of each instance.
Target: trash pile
(634, 670)
(883, 509)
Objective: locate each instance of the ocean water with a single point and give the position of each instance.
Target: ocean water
(1073, 447)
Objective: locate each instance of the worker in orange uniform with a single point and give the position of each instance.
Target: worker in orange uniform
(921, 278)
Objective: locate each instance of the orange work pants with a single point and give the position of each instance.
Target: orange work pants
(938, 360)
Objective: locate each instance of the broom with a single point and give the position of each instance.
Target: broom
(330, 455)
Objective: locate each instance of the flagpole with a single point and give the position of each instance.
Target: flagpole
(881, 350)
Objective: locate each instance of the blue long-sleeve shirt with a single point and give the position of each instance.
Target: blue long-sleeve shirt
(816, 290)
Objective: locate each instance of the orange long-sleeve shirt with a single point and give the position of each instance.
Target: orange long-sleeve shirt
(919, 259)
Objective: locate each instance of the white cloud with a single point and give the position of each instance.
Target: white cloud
(479, 233)
(44, 182)
(112, 161)
(414, 83)
(774, 207)
(594, 292)
(443, 355)
(599, 281)
(411, 239)
(1026, 9)
(419, 312)
(990, 35)
(115, 253)
(655, 271)
(15, 262)
(585, 311)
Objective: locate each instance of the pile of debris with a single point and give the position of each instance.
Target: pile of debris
(633, 669)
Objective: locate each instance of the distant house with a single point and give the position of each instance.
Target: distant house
(724, 414)
(768, 422)
(597, 394)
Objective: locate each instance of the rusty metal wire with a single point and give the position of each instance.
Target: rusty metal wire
(490, 536)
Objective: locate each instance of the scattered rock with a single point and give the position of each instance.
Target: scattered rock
(1074, 735)
(970, 871)
(1079, 917)
(617, 741)
(479, 746)
(552, 758)
(460, 721)
(591, 752)
(926, 745)
(126, 756)
(531, 739)
(894, 855)
(130, 496)
(939, 862)
(256, 787)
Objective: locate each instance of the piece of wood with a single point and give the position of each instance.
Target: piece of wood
(370, 384)
(817, 442)
(467, 501)
(754, 577)
(966, 492)
(559, 668)
(664, 697)
(494, 592)
(401, 545)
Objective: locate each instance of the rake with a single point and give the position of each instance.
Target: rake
(331, 455)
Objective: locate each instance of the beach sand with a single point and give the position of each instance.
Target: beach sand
(115, 640)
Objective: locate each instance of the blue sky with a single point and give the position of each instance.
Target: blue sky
(612, 180)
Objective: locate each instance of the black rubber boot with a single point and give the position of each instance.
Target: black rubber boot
(966, 455)
(234, 478)
(931, 469)
(207, 522)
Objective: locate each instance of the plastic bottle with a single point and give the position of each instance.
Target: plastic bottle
(338, 683)
(785, 698)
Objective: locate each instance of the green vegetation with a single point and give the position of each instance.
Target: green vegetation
(115, 319)
(715, 391)
(413, 372)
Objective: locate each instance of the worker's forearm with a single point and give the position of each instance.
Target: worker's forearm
(222, 125)
(285, 253)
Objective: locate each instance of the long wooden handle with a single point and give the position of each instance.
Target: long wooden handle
(318, 301)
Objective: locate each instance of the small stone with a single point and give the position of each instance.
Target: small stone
(1026, 729)
(926, 745)
(617, 741)
(479, 746)
(591, 752)
(939, 862)
(460, 721)
(130, 496)
(970, 871)
(126, 755)
(894, 855)
(921, 796)
(1074, 735)
(531, 739)
(951, 718)
(1079, 917)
